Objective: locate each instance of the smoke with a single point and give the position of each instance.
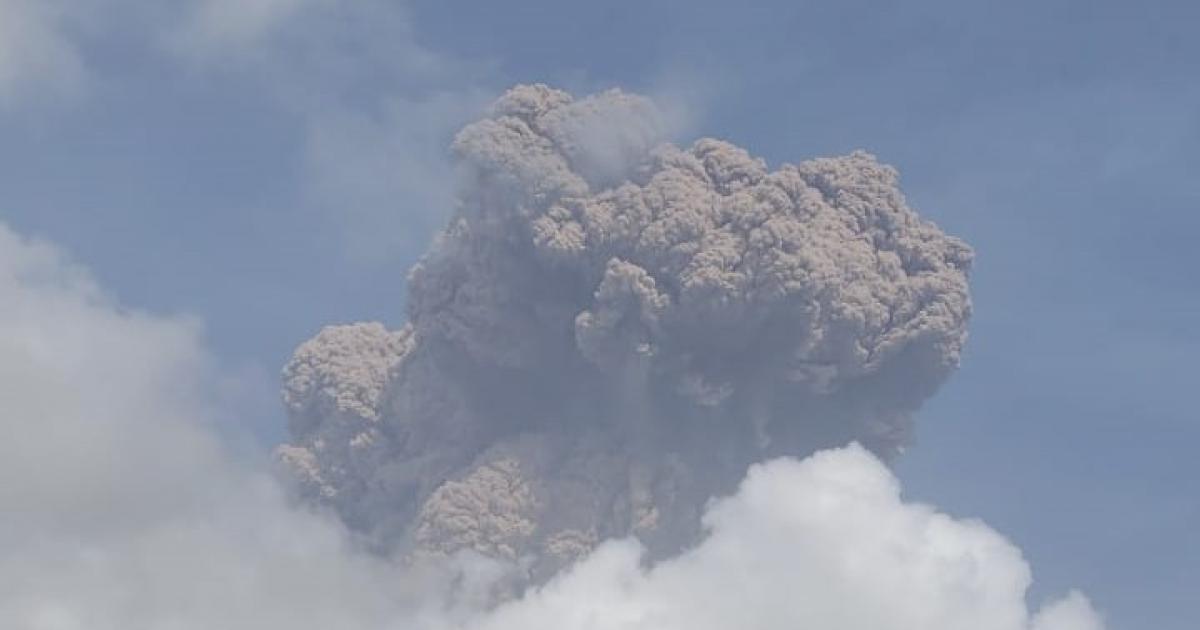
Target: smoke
(125, 509)
(612, 328)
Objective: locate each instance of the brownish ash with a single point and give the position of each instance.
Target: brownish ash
(611, 328)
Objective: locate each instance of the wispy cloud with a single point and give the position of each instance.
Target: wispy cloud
(37, 55)
(376, 109)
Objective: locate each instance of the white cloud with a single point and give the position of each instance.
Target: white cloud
(823, 543)
(36, 54)
(213, 26)
(123, 510)
(84, 386)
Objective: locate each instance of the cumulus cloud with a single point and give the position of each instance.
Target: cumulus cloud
(618, 327)
(123, 506)
(822, 543)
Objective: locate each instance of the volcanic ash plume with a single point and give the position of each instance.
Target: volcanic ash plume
(612, 328)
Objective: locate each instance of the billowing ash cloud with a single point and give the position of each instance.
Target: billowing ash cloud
(612, 328)
(126, 510)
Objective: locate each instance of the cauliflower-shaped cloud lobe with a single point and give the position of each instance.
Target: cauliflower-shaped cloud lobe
(821, 543)
(612, 327)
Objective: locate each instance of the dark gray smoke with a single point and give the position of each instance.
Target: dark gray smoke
(612, 328)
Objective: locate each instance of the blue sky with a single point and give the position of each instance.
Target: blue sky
(273, 173)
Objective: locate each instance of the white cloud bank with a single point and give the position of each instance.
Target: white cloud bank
(124, 511)
(821, 543)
